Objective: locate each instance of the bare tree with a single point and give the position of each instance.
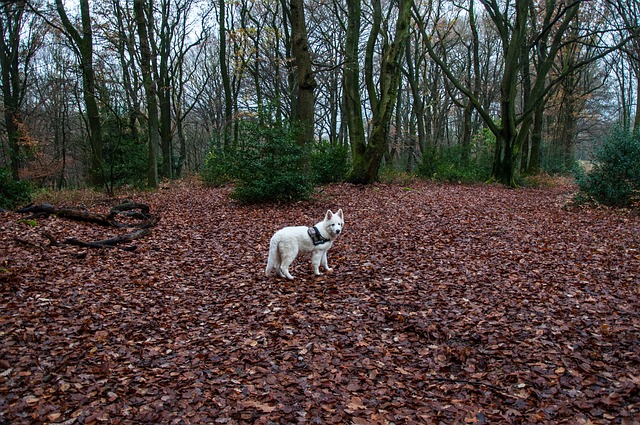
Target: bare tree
(305, 81)
(15, 60)
(368, 155)
(82, 41)
(511, 21)
(628, 12)
(142, 11)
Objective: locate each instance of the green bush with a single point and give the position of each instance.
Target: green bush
(272, 167)
(220, 167)
(127, 162)
(615, 177)
(456, 163)
(13, 193)
(330, 162)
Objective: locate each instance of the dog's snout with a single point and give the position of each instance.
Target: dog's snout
(337, 230)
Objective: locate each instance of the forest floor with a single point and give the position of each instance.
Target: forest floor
(447, 304)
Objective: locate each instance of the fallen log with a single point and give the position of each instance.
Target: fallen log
(109, 242)
(45, 210)
(131, 210)
(127, 209)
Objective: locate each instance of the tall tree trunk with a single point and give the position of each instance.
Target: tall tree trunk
(526, 92)
(568, 124)
(506, 138)
(150, 92)
(368, 158)
(226, 81)
(10, 25)
(164, 92)
(636, 121)
(533, 166)
(352, 100)
(305, 81)
(417, 97)
(84, 44)
(474, 83)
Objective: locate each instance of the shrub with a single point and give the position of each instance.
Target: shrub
(127, 162)
(219, 167)
(330, 162)
(615, 177)
(13, 193)
(272, 167)
(449, 164)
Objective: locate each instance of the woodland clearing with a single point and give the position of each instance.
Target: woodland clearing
(447, 304)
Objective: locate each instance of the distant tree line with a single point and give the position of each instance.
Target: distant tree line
(114, 92)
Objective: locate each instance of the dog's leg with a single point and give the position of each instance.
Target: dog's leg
(286, 258)
(316, 258)
(273, 262)
(284, 272)
(324, 262)
(279, 268)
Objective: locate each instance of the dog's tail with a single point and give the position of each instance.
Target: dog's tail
(273, 255)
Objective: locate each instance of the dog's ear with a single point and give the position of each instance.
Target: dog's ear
(328, 215)
(340, 214)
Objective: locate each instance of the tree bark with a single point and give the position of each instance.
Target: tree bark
(352, 100)
(165, 88)
(10, 27)
(305, 81)
(150, 92)
(368, 158)
(224, 75)
(84, 44)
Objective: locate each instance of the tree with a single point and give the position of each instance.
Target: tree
(352, 100)
(512, 124)
(15, 60)
(170, 49)
(123, 39)
(224, 73)
(628, 11)
(367, 156)
(305, 81)
(83, 46)
(150, 89)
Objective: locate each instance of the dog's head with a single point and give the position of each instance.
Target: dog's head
(334, 223)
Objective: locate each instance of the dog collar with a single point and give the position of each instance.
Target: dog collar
(316, 237)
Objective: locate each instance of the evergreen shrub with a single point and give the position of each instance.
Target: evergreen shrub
(126, 162)
(220, 167)
(272, 166)
(457, 163)
(13, 193)
(330, 162)
(615, 177)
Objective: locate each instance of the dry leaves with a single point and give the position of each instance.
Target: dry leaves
(448, 304)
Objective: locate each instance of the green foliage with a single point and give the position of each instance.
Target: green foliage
(554, 161)
(272, 167)
(13, 193)
(29, 222)
(392, 175)
(330, 162)
(269, 166)
(459, 163)
(126, 161)
(615, 177)
(220, 167)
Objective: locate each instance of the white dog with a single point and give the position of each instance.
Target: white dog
(286, 243)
